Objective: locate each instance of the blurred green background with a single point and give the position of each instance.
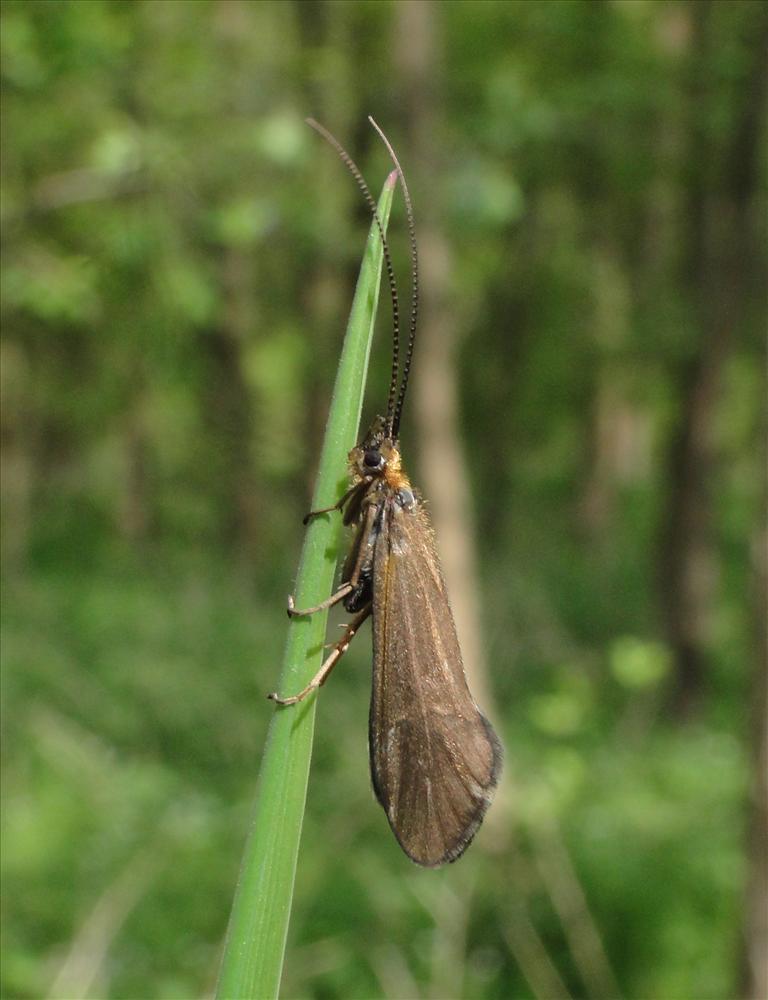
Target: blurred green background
(179, 253)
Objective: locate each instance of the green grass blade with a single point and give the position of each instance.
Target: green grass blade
(253, 953)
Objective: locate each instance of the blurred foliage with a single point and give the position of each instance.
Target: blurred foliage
(178, 254)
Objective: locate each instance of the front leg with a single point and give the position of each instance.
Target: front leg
(356, 571)
(339, 505)
(323, 673)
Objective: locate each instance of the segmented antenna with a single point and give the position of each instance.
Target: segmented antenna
(392, 418)
(414, 280)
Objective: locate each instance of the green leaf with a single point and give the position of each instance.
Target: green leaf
(253, 953)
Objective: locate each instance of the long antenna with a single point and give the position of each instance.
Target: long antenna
(414, 280)
(392, 413)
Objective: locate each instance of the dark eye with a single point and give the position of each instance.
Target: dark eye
(372, 459)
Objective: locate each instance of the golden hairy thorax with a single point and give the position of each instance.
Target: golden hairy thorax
(395, 478)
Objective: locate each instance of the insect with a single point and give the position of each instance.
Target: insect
(435, 759)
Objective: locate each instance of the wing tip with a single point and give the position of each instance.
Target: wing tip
(457, 849)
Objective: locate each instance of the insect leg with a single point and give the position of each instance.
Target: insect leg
(340, 594)
(361, 554)
(330, 662)
(337, 506)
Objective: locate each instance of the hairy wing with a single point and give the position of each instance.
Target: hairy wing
(435, 759)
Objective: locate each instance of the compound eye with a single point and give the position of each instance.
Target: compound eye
(372, 459)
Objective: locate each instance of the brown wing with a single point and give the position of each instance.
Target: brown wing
(435, 759)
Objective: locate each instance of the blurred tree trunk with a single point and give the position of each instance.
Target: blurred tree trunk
(754, 961)
(721, 254)
(751, 219)
(443, 468)
(134, 500)
(17, 422)
(619, 433)
(726, 273)
(229, 408)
